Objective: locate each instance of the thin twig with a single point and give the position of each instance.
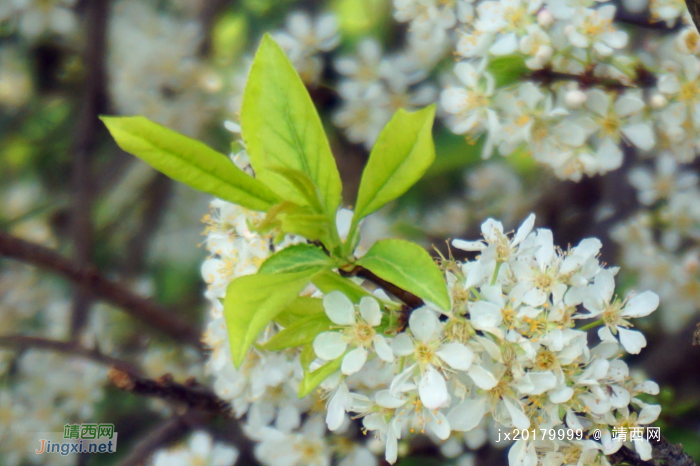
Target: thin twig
(643, 79)
(200, 405)
(166, 432)
(191, 394)
(161, 318)
(22, 342)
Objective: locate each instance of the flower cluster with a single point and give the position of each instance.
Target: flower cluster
(507, 353)
(659, 241)
(581, 93)
(304, 39)
(373, 87)
(155, 68)
(33, 18)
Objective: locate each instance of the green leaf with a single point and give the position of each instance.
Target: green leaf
(188, 161)
(401, 155)
(407, 266)
(307, 357)
(508, 69)
(313, 379)
(300, 333)
(281, 128)
(296, 258)
(304, 185)
(300, 308)
(253, 301)
(328, 281)
(289, 217)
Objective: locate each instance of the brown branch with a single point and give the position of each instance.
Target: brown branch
(196, 399)
(696, 335)
(92, 102)
(21, 342)
(546, 76)
(663, 453)
(161, 318)
(166, 432)
(408, 298)
(191, 394)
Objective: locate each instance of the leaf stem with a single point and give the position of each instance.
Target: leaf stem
(476, 292)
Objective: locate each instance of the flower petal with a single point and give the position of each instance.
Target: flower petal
(517, 416)
(382, 348)
(642, 305)
(649, 414)
(439, 425)
(353, 361)
(423, 324)
(370, 311)
(632, 340)
(524, 230)
(337, 406)
(467, 415)
(339, 308)
(329, 345)
(641, 135)
(402, 345)
(482, 378)
(456, 355)
(485, 315)
(432, 388)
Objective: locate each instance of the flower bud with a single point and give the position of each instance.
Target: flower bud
(545, 18)
(658, 101)
(574, 98)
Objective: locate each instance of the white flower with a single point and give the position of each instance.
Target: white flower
(538, 46)
(594, 28)
(496, 248)
(614, 312)
(36, 17)
(613, 120)
(664, 183)
(429, 354)
(358, 333)
(304, 39)
(308, 447)
(469, 106)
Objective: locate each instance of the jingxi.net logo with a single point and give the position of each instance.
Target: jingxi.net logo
(79, 438)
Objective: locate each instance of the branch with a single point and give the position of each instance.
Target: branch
(22, 342)
(164, 319)
(92, 102)
(643, 78)
(168, 431)
(191, 394)
(408, 298)
(193, 397)
(663, 453)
